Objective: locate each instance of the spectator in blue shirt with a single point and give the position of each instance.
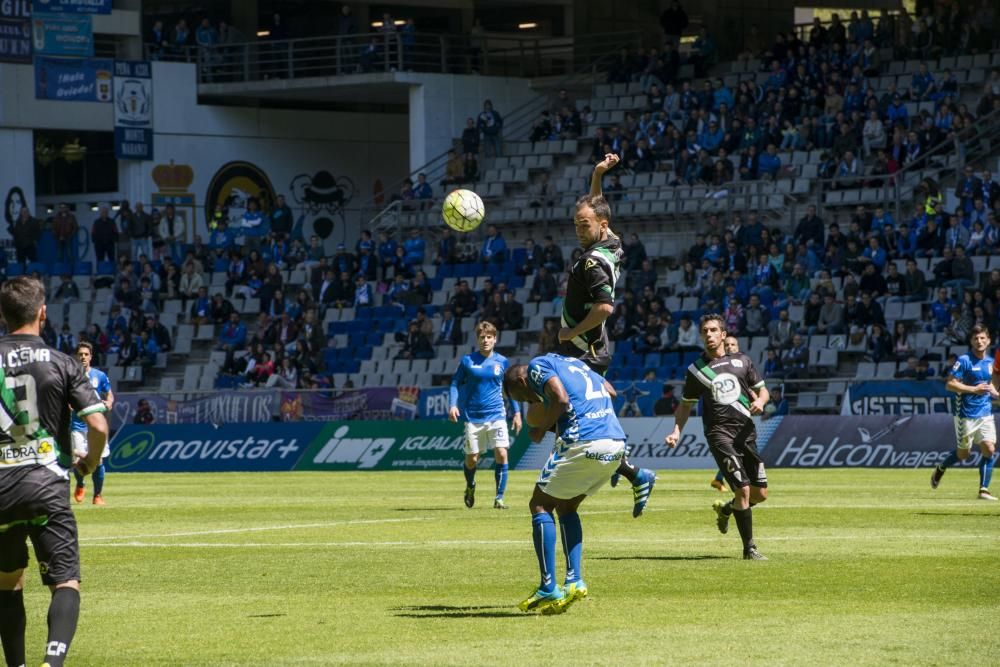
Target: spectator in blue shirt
(415, 247)
(386, 252)
(898, 113)
(233, 335)
(722, 95)
(875, 253)
(941, 310)
(494, 247)
(922, 84)
(423, 190)
(711, 137)
(769, 163)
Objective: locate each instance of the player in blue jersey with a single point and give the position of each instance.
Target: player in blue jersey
(590, 444)
(78, 433)
(477, 398)
(971, 380)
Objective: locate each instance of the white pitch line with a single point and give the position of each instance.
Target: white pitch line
(453, 543)
(254, 529)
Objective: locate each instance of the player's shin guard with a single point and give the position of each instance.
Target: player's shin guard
(12, 626)
(986, 471)
(470, 475)
(744, 523)
(627, 470)
(99, 479)
(64, 611)
(543, 533)
(572, 542)
(500, 474)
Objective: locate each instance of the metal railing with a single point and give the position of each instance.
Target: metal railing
(389, 52)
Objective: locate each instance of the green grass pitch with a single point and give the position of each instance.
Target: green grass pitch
(867, 567)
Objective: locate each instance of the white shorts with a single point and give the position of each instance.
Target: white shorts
(488, 435)
(580, 468)
(973, 430)
(79, 440)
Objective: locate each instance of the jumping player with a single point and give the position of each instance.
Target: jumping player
(40, 389)
(974, 386)
(725, 383)
(589, 444)
(100, 382)
(590, 296)
(476, 395)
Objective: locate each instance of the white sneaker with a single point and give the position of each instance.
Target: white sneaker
(984, 494)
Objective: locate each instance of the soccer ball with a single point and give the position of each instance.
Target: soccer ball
(463, 210)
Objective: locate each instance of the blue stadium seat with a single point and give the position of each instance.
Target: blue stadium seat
(444, 271)
(220, 266)
(83, 268)
(330, 356)
(61, 269)
(105, 268)
(357, 338)
(15, 269)
(623, 347)
(634, 360)
(652, 359)
(40, 267)
(689, 358)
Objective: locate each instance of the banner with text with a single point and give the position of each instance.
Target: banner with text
(200, 448)
(420, 445)
(73, 80)
(897, 397)
(824, 441)
(390, 403)
(222, 408)
(63, 35)
(15, 31)
(74, 6)
(133, 85)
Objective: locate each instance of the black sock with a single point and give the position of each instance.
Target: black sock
(744, 522)
(64, 611)
(627, 470)
(727, 509)
(12, 626)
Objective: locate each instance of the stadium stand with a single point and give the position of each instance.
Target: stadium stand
(805, 171)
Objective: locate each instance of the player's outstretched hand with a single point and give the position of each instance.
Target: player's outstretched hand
(516, 423)
(672, 439)
(453, 414)
(609, 161)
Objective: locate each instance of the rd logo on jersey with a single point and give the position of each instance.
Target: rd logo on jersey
(725, 389)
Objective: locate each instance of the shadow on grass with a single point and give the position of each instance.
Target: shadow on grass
(976, 514)
(450, 611)
(266, 615)
(664, 558)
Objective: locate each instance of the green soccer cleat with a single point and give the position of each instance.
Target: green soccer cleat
(540, 601)
(721, 518)
(470, 496)
(572, 592)
(499, 504)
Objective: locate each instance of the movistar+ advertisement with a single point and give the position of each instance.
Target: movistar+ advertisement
(338, 445)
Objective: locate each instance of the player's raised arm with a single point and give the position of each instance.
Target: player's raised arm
(609, 161)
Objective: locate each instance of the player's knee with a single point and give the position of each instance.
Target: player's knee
(962, 454)
(12, 581)
(987, 448)
(758, 494)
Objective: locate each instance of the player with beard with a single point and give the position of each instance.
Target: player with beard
(590, 297)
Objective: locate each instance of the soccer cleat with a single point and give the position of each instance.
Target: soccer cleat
(573, 591)
(99, 500)
(936, 477)
(984, 494)
(644, 483)
(751, 553)
(721, 518)
(499, 504)
(470, 496)
(79, 494)
(719, 485)
(614, 479)
(540, 600)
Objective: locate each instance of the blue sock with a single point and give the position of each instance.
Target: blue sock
(719, 476)
(985, 472)
(543, 532)
(572, 538)
(79, 478)
(500, 473)
(470, 475)
(99, 479)
(948, 462)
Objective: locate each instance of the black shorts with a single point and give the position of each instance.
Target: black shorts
(737, 456)
(34, 504)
